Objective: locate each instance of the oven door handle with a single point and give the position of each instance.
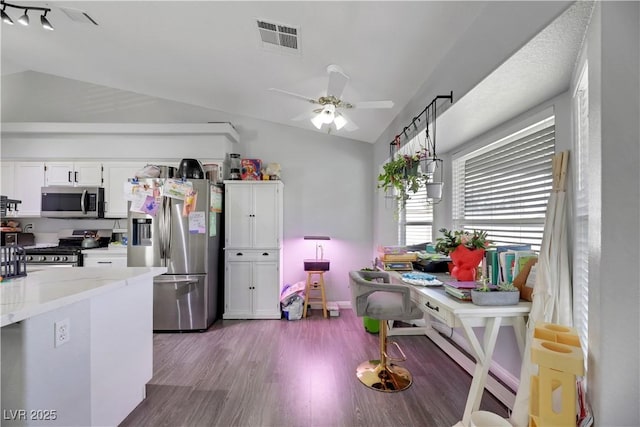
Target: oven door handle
(82, 206)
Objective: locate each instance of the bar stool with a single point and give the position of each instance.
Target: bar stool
(316, 286)
(383, 301)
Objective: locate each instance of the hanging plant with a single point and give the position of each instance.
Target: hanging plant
(403, 174)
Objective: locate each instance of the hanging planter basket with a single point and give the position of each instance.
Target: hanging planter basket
(434, 190)
(428, 165)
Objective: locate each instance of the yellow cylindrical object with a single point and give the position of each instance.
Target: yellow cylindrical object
(556, 350)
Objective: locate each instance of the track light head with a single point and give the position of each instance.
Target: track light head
(6, 18)
(45, 22)
(24, 19)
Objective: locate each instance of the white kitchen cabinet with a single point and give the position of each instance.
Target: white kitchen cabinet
(74, 173)
(7, 173)
(253, 239)
(115, 176)
(252, 289)
(253, 214)
(28, 179)
(97, 258)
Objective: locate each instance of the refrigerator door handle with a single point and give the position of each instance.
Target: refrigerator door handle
(179, 281)
(167, 228)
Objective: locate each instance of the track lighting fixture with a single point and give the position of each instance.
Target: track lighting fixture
(24, 19)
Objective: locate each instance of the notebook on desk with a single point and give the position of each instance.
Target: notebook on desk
(463, 285)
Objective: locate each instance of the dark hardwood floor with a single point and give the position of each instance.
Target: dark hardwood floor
(296, 373)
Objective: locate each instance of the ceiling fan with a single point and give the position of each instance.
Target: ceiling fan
(332, 108)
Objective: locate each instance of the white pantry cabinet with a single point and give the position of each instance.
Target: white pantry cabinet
(115, 176)
(74, 173)
(253, 213)
(253, 253)
(253, 288)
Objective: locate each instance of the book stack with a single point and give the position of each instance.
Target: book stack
(503, 263)
(396, 258)
(460, 290)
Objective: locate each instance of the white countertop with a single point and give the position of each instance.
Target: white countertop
(47, 290)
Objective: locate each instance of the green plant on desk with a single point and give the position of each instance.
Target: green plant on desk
(502, 287)
(507, 287)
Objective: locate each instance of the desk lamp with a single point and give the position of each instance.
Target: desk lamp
(317, 264)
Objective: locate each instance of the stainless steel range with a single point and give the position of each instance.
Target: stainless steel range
(56, 256)
(68, 253)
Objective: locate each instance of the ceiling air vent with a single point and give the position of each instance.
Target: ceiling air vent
(281, 37)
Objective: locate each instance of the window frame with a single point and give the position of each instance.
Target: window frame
(504, 230)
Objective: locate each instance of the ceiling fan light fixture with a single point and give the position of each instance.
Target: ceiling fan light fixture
(318, 121)
(24, 19)
(45, 22)
(339, 121)
(328, 113)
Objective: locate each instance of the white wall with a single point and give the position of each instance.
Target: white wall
(613, 55)
(326, 178)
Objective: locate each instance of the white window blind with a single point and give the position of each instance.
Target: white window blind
(504, 188)
(581, 213)
(416, 216)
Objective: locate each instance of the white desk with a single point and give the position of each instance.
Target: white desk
(454, 313)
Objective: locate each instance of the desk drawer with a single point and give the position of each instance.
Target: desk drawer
(436, 309)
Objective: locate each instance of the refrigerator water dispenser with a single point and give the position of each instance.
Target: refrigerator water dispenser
(142, 232)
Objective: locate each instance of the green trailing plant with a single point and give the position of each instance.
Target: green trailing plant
(403, 175)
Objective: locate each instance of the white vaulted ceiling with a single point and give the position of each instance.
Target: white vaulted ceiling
(209, 54)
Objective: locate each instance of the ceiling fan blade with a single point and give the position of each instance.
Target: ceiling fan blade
(337, 81)
(295, 95)
(304, 116)
(350, 126)
(373, 104)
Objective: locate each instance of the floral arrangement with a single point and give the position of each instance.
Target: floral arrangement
(452, 239)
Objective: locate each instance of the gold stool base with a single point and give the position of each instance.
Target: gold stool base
(389, 378)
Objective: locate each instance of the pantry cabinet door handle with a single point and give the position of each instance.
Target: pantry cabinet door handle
(69, 176)
(75, 176)
(105, 262)
(265, 254)
(239, 254)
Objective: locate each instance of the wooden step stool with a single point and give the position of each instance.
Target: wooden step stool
(316, 287)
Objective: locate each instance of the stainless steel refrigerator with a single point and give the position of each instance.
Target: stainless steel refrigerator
(187, 242)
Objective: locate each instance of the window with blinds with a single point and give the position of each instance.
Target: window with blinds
(581, 213)
(417, 219)
(416, 216)
(504, 187)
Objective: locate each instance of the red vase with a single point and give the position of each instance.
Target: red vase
(465, 261)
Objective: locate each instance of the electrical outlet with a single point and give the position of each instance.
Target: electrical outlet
(62, 332)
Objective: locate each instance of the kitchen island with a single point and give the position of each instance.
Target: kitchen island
(77, 345)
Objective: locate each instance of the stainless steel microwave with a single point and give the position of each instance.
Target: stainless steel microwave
(60, 201)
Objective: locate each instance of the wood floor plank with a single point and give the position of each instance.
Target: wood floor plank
(253, 373)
